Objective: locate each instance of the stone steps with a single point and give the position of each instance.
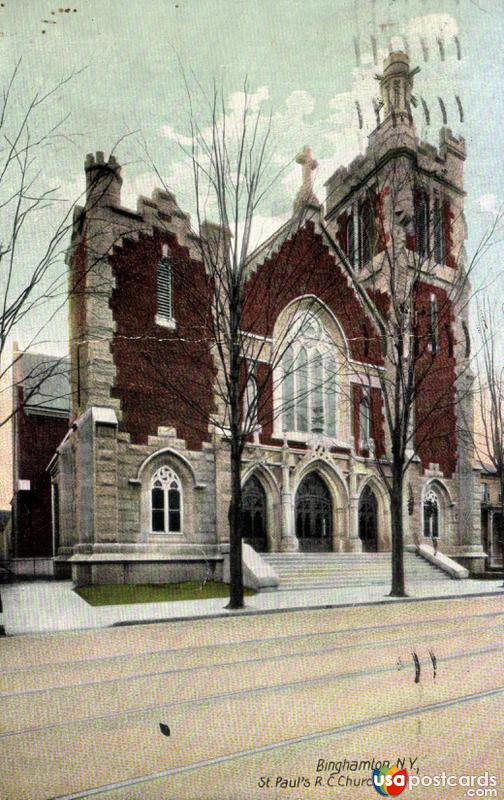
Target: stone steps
(298, 571)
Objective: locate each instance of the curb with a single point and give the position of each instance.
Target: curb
(252, 612)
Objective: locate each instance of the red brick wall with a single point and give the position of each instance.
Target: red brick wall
(305, 266)
(164, 377)
(37, 436)
(436, 439)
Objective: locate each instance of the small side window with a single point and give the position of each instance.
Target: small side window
(433, 324)
(165, 289)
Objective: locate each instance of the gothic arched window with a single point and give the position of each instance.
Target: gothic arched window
(422, 222)
(166, 501)
(309, 378)
(165, 287)
(431, 515)
(439, 241)
(367, 231)
(365, 422)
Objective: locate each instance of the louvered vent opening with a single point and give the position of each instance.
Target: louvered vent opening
(164, 289)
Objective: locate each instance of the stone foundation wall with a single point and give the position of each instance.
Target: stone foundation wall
(87, 573)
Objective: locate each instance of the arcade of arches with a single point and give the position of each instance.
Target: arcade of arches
(313, 516)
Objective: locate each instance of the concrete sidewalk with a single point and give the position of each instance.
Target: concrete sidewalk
(45, 606)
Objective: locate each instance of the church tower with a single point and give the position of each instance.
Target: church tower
(397, 213)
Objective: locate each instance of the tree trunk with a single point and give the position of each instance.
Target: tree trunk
(501, 526)
(396, 510)
(235, 539)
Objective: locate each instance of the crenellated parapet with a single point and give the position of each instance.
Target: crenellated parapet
(102, 229)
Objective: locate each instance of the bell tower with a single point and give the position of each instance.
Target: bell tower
(396, 85)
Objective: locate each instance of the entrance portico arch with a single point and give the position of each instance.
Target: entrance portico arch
(368, 520)
(254, 515)
(374, 516)
(313, 514)
(334, 481)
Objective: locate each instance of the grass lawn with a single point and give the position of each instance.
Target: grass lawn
(124, 594)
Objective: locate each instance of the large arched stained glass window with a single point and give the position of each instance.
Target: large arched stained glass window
(166, 501)
(309, 378)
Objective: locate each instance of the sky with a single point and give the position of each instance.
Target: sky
(307, 63)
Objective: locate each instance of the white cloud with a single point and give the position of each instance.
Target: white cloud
(431, 26)
(174, 136)
(489, 204)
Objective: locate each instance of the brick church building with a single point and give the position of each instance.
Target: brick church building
(141, 480)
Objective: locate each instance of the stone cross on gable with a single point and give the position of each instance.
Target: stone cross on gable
(308, 163)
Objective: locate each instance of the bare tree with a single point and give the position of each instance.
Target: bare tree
(405, 251)
(34, 281)
(489, 440)
(419, 279)
(232, 175)
(30, 279)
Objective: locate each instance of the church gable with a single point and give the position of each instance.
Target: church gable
(305, 265)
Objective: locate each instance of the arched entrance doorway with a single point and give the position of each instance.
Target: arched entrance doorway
(431, 515)
(368, 520)
(313, 515)
(254, 515)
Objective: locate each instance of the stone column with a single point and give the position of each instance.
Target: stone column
(353, 544)
(106, 528)
(289, 542)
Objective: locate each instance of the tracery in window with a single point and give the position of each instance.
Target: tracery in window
(166, 501)
(309, 378)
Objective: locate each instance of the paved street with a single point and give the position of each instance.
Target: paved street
(253, 702)
(45, 606)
